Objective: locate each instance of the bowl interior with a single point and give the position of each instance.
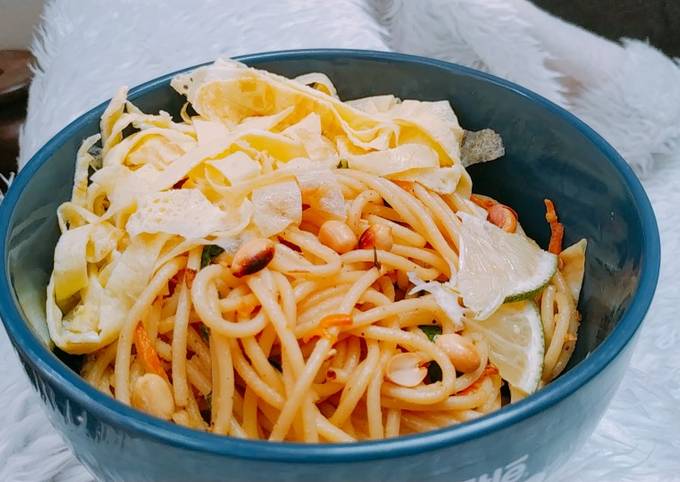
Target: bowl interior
(546, 156)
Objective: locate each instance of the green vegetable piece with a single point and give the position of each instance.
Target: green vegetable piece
(210, 252)
(204, 332)
(431, 330)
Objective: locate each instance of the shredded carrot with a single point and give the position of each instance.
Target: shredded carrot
(556, 228)
(147, 353)
(337, 320)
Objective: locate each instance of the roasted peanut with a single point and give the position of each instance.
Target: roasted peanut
(406, 369)
(482, 201)
(503, 217)
(461, 351)
(337, 236)
(253, 256)
(377, 236)
(152, 394)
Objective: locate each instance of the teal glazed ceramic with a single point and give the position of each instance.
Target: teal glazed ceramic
(549, 153)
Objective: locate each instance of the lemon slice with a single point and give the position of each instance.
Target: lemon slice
(497, 267)
(515, 336)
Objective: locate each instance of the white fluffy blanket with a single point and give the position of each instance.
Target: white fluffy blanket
(628, 92)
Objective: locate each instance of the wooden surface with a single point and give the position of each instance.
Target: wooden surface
(15, 76)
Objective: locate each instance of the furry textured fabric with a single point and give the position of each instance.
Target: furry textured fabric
(630, 93)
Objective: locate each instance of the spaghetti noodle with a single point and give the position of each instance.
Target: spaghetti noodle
(261, 268)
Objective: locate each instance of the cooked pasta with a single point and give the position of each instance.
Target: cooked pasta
(283, 265)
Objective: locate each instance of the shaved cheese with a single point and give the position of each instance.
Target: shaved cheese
(69, 341)
(378, 104)
(573, 260)
(442, 180)
(319, 187)
(208, 132)
(137, 120)
(103, 240)
(70, 263)
(434, 119)
(70, 215)
(318, 81)
(130, 275)
(320, 190)
(239, 219)
(83, 162)
(395, 160)
(276, 207)
(230, 91)
(446, 296)
(265, 122)
(236, 167)
(308, 133)
(278, 146)
(156, 150)
(83, 318)
(75, 248)
(124, 186)
(185, 212)
(119, 153)
(112, 113)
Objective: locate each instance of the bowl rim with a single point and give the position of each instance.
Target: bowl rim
(129, 420)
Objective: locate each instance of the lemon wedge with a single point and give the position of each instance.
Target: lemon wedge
(497, 267)
(515, 336)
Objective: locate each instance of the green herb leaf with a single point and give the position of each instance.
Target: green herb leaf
(431, 330)
(204, 332)
(434, 372)
(210, 252)
(343, 164)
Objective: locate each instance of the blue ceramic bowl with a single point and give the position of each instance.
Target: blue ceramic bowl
(549, 153)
